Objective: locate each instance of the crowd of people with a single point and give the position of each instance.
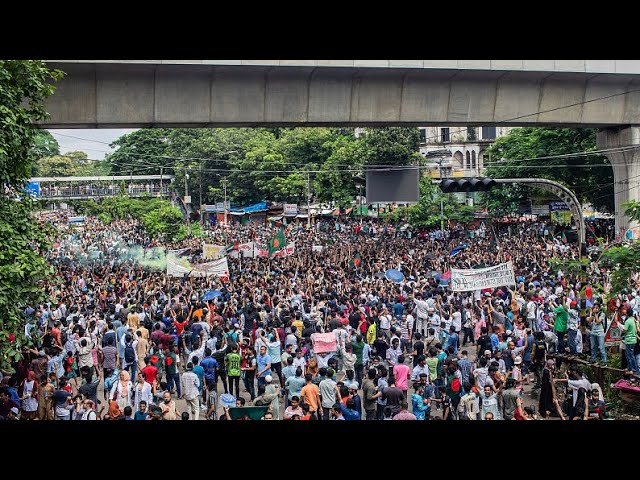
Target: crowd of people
(121, 340)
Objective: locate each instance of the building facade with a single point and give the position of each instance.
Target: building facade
(465, 149)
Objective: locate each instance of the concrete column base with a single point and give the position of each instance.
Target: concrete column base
(626, 170)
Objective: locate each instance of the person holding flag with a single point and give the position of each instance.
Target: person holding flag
(277, 243)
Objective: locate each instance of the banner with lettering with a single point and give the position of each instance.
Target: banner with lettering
(287, 251)
(212, 252)
(491, 277)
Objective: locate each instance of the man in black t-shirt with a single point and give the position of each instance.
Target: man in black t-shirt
(418, 349)
(484, 342)
(380, 345)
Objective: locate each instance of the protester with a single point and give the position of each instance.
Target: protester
(113, 303)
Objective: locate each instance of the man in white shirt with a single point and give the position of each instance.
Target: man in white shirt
(421, 314)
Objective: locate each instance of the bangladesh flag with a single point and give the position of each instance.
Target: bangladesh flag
(564, 237)
(232, 246)
(355, 261)
(277, 243)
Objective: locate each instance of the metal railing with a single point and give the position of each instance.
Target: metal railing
(88, 191)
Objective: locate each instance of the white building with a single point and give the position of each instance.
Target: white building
(466, 145)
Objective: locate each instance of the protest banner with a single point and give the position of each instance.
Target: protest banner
(324, 342)
(218, 268)
(261, 249)
(287, 251)
(491, 277)
(212, 252)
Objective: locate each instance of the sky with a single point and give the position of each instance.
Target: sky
(94, 142)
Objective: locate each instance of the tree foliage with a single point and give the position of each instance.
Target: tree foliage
(624, 260)
(509, 153)
(44, 145)
(24, 86)
(161, 219)
(56, 166)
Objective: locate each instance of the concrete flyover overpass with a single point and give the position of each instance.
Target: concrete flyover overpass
(252, 93)
(249, 93)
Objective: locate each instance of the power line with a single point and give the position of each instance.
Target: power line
(547, 111)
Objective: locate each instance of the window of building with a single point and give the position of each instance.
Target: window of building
(423, 136)
(468, 164)
(473, 160)
(444, 134)
(488, 133)
(471, 134)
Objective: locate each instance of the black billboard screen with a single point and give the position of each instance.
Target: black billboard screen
(393, 186)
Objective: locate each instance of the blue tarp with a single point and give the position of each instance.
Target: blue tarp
(256, 207)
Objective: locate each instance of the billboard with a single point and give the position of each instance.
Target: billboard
(290, 209)
(33, 189)
(389, 185)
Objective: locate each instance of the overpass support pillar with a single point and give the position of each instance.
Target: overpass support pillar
(626, 169)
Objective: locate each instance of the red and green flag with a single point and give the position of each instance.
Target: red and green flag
(232, 246)
(564, 237)
(355, 261)
(277, 243)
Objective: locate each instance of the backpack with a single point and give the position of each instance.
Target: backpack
(541, 348)
(129, 353)
(109, 381)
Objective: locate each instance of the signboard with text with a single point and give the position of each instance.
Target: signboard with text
(478, 279)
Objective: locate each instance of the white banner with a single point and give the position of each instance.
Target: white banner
(219, 268)
(261, 249)
(246, 249)
(287, 251)
(491, 277)
(212, 252)
(176, 270)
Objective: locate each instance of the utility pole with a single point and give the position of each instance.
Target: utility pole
(308, 200)
(186, 182)
(201, 212)
(441, 198)
(224, 182)
(161, 171)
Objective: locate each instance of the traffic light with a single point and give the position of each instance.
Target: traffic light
(475, 184)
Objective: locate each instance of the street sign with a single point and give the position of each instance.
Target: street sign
(33, 189)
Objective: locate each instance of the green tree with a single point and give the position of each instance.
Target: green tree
(141, 152)
(24, 87)
(624, 260)
(337, 180)
(44, 145)
(56, 166)
(391, 146)
(509, 153)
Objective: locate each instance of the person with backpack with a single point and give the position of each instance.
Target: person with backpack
(130, 357)
(453, 389)
(539, 356)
